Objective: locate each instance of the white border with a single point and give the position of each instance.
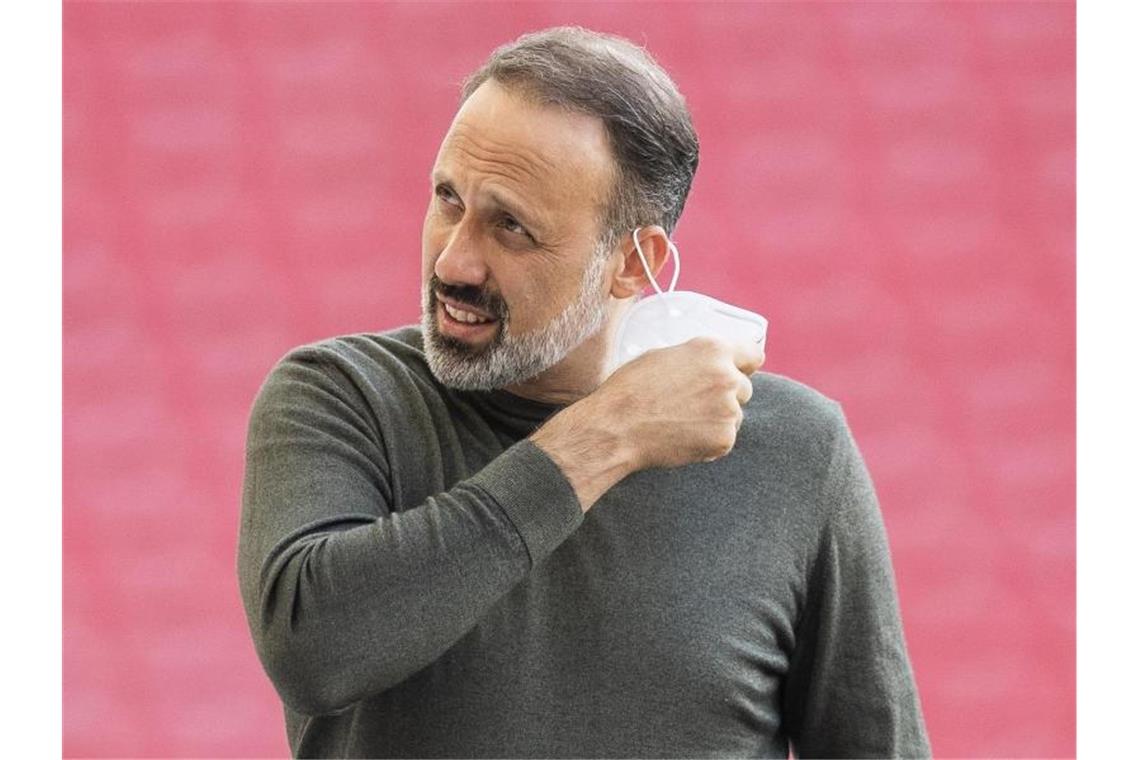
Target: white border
(1108, 455)
(31, 311)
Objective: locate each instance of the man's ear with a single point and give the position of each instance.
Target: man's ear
(630, 278)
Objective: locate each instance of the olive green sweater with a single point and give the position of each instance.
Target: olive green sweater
(420, 581)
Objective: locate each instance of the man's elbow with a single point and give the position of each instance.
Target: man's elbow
(316, 672)
(305, 684)
(316, 660)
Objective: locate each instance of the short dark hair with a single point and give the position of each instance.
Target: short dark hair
(648, 124)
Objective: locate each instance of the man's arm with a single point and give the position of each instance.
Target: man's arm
(345, 594)
(850, 691)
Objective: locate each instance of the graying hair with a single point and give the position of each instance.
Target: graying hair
(648, 124)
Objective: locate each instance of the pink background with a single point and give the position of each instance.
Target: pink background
(892, 185)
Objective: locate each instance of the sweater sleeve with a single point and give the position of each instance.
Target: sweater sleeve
(850, 691)
(348, 594)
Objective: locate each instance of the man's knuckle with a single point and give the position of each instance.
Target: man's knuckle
(703, 344)
(731, 412)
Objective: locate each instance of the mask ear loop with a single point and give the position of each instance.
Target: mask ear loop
(645, 263)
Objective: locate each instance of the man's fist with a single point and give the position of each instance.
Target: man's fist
(668, 407)
(680, 405)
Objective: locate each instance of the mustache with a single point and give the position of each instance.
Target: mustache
(475, 297)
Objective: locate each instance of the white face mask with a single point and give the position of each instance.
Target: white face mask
(672, 317)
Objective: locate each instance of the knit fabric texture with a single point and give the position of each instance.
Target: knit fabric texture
(420, 581)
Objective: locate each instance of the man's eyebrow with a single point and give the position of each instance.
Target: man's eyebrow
(528, 218)
(524, 216)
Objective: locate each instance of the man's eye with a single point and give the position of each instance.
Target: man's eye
(510, 225)
(444, 194)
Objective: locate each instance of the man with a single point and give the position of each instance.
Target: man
(466, 539)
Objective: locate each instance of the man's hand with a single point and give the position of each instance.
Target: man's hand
(667, 408)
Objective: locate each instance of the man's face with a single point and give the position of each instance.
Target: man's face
(513, 280)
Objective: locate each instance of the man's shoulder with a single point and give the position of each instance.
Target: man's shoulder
(793, 417)
(401, 347)
(781, 398)
(383, 360)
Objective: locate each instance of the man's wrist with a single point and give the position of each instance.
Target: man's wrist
(589, 448)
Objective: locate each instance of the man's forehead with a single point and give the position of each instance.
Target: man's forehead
(469, 148)
(545, 149)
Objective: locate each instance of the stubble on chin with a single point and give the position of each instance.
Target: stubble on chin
(454, 362)
(510, 359)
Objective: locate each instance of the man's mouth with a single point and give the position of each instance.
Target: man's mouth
(457, 321)
(461, 315)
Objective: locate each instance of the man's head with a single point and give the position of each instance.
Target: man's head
(564, 142)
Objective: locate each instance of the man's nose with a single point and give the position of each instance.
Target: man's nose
(461, 262)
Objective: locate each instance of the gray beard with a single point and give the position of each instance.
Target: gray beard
(510, 359)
